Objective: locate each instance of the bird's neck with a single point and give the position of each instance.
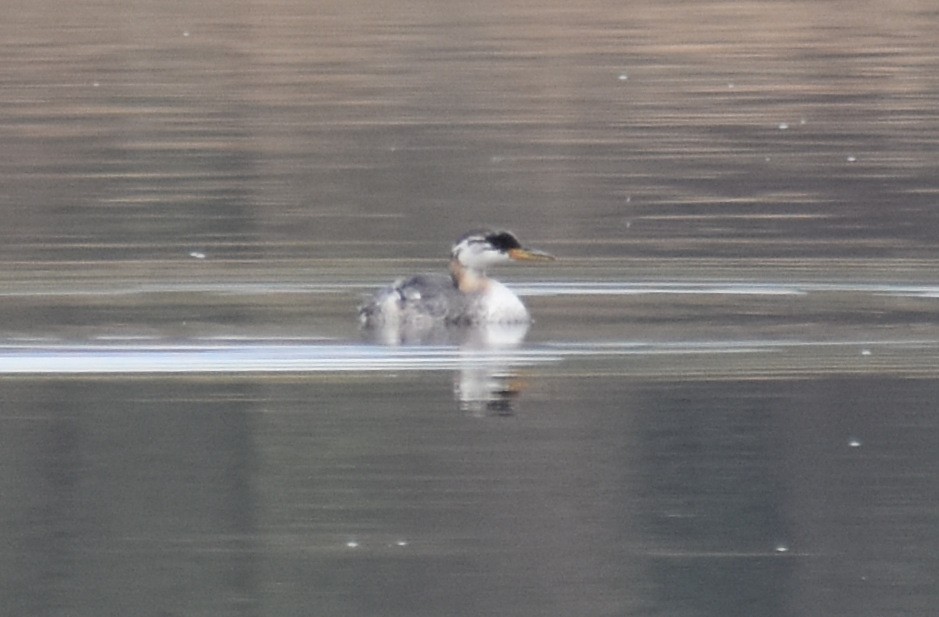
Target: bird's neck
(466, 279)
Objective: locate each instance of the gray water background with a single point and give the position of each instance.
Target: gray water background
(726, 405)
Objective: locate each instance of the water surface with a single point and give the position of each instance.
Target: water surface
(725, 406)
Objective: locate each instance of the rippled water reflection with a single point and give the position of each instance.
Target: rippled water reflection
(725, 405)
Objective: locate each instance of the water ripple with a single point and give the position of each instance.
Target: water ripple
(274, 356)
(240, 357)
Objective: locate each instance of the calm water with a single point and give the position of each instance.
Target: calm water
(726, 406)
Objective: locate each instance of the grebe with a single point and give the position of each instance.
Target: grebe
(464, 297)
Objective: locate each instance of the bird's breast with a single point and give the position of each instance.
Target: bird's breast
(500, 305)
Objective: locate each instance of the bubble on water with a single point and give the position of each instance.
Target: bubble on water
(802, 121)
(854, 443)
(783, 126)
(782, 548)
(185, 32)
(865, 352)
(352, 544)
(623, 77)
(401, 543)
(197, 255)
(730, 86)
(851, 159)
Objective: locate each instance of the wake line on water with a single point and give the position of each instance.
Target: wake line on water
(722, 288)
(545, 288)
(250, 358)
(280, 357)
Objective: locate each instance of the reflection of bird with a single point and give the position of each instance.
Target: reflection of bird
(466, 297)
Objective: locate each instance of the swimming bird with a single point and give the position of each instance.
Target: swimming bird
(466, 296)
